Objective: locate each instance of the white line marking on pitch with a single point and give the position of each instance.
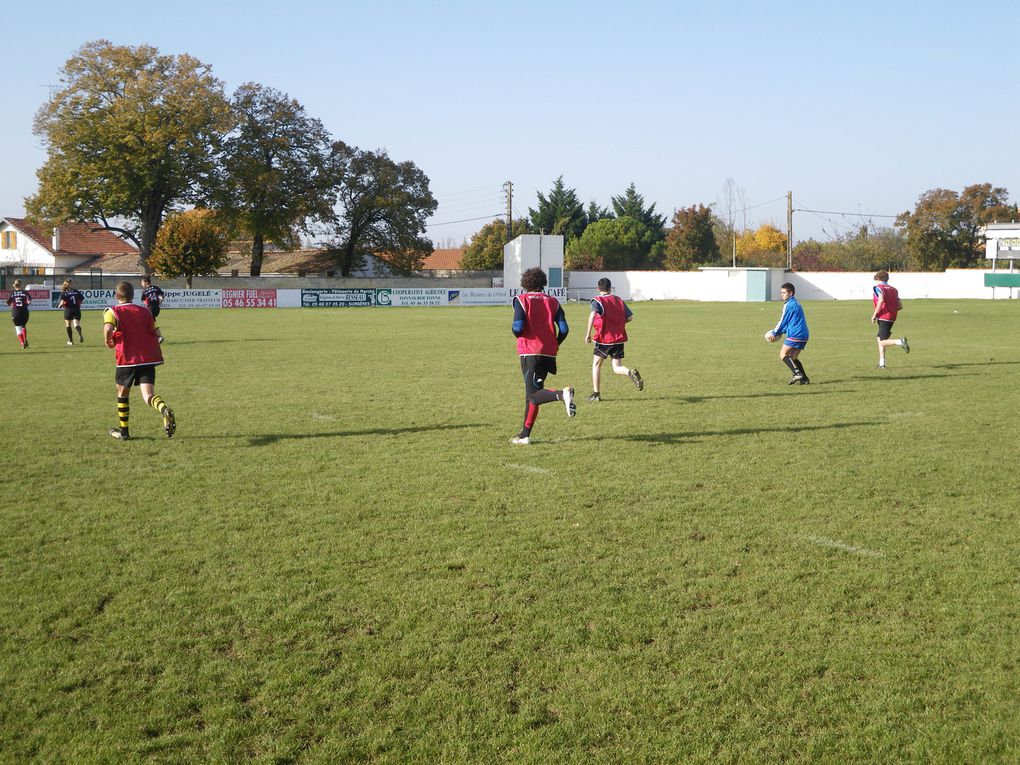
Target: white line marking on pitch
(323, 417)
(527, 468)
(838, 545)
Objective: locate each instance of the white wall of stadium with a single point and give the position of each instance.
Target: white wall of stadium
(707, 285)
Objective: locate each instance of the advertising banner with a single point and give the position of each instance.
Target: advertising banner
(40, 300)
(412, 297)
(560, 293)
(479, 296)
(194, 298)
(240, 298)
(337, 298)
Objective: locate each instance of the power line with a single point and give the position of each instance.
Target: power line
(836, 212)
(465, 220)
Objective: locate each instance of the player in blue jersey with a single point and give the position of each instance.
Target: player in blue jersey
(792, 324)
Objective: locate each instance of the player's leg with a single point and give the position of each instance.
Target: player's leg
(148, 388)
(596, 376)
(77, 326)
(67, 327)
(122, 430)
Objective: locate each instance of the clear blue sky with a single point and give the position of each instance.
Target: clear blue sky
(856, 107)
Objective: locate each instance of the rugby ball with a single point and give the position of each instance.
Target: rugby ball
(769, 337)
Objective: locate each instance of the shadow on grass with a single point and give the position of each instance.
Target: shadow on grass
(272, 438)
(691, 436)
(789, 390)
(231, 340)
(989, 363)
(675, 438)
(887, 377)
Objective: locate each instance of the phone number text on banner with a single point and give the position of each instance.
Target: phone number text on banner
(248, 298)
(337, 298)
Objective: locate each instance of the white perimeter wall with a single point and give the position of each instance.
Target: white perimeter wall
(731, 285)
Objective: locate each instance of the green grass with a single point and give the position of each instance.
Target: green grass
(340, 558)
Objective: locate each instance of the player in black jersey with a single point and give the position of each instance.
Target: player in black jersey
(19, 300)
(152, 296)
(71, 300)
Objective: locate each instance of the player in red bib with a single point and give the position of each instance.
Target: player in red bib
(539, 326)
(608, 319)
(887, 307)
(132, 332)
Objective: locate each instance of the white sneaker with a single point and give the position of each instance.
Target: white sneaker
(520, 440)
(70, 342)
(568, 401)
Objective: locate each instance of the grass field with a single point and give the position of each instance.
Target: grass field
(340, 558)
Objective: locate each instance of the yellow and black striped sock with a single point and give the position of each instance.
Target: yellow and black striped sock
(157, 403)
(123, 413)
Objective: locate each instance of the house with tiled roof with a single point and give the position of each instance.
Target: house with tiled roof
(444, 260)
(37, 250)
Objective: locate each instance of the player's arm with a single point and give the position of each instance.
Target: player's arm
(519, 318)
(878, 305)
(587, 330)
(628, 314)
(560, 320)
(109, 328)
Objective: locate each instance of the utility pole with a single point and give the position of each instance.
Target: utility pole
(789, 230)
(509, 187)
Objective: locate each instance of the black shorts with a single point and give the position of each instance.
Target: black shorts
(72, 313)
(536, 369)
(605, 351)
(884, 329)
(154, 308)
(143, 373)
(19, 316)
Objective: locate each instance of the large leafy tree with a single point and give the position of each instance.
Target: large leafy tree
(485, 250)
(611, 244)
(943, 231)
(190, 243)
(381, 209)
(691, 240)
(274, 164)
(560, 213)
(130, 135)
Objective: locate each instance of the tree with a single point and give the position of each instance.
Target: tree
(382, 209)
(131, 135)
(561, 213)
(274, 169)
(632, 205)
(595, 213)
(485, 251)
(189, 244)
(765, 246)
(611, 244)
(691, 240)
(944, 229)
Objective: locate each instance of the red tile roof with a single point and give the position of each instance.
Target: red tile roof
(441, 260)
(75, 239)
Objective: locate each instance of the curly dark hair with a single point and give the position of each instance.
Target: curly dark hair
(534, 280)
